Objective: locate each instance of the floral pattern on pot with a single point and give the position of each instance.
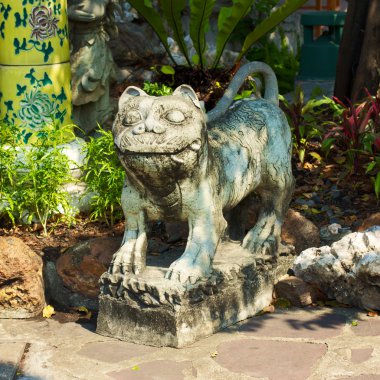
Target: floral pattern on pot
(43, 22)
(36, 109)
(33, 32)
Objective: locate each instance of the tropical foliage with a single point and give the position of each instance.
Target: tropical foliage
(171, 12)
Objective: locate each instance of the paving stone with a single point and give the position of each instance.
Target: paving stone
(157, 370)
(10, 355)
(114, 352)
(369, 327)
(292, 325)
(272, 359)
(361, 377)
(360, 355)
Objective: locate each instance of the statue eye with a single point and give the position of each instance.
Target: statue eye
(175, 116)
(132, 117)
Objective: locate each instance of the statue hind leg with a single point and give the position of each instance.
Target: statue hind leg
(275, 195)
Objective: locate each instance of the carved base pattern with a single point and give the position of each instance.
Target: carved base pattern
(149, 309)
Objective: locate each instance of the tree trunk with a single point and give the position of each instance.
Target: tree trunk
(351, 47)
(367, 73)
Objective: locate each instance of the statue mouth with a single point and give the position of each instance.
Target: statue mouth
(176, 153)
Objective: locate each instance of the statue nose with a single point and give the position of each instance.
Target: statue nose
(142, 128)
(154, 127)
(138, 129)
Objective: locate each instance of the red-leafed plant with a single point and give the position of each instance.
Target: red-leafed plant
(356, 137)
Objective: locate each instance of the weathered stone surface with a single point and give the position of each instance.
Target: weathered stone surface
(157, 370)
(312, 325)
(360, 355)
(362, 377)
(184, 165)
(153, 310)
(368, 327)
(348, 271)
(270, 359)
(297, 291)
(372, 220)
(92, 23)
(58, 293)
(10, 356)
(81, 266)
(21, 282)
(114, 352)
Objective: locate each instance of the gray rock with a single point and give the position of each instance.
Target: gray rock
(348, 270)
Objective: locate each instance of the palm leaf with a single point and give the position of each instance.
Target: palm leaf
(200, 12)
(172, 10)
(268, 24)
(228, 18)
(153, 18)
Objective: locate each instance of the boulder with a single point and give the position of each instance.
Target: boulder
(348, 270)
(297, 292)
(299, 231)
(81, 266)
(372, 220)
(21, 281)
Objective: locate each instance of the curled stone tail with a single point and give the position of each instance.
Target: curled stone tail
(270, 82)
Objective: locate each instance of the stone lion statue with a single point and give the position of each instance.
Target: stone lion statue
(185, 165)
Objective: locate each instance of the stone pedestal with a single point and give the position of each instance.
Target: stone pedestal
(148, 309)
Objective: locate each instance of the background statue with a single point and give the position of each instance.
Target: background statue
(92, 67)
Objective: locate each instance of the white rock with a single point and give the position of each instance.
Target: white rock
(349, 270)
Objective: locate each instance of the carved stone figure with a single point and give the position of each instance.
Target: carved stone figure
(183, 164)
(92, 66)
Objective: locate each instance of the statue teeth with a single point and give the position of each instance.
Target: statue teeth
(177, 159)
(195, 145)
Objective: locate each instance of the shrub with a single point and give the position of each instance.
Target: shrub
(104, 177)
(33, 175)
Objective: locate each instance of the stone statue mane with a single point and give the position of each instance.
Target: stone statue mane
(183, 164)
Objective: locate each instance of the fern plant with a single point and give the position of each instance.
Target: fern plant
(171, 11)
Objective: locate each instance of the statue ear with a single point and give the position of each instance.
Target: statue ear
(187, 92)
(129, 92)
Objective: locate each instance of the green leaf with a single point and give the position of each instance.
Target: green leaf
(195, 59)
(168, 70)
(172, 10)
(316, 156)
(370, 166)
(200, 12)
(377, 185)
(327, 144)
(228, 19)
(153, 18)
(280, 14)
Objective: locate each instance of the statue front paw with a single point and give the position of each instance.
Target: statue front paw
(131, 257)
(189, 269)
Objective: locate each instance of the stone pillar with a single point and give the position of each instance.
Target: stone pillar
(34, 64)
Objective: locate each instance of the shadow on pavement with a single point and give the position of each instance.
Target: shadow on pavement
(8, 371)
(312, 320)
